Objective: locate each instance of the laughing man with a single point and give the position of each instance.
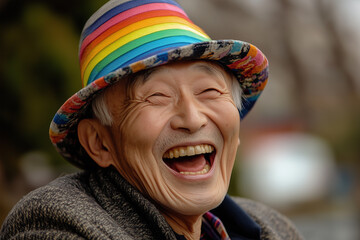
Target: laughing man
(155, 129)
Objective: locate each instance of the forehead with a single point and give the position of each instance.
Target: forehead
(126, 88)
(206, 67)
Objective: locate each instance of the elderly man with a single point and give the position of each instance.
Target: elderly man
(156, 129)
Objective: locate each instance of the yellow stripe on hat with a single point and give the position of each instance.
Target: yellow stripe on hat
(114, 42)
(131, 28)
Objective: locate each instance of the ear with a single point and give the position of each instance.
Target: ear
(94, 138)
(238, 141)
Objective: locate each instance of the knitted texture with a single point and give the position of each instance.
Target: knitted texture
(102, 205)
(273, 224)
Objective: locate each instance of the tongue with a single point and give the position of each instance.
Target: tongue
(189, 164)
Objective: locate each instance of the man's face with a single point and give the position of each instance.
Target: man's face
(176, 134)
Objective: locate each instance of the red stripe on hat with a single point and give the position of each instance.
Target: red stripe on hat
(136, 18)
(127, 14)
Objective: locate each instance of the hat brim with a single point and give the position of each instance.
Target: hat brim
(245, 61)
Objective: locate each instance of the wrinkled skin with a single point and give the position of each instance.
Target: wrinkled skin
(175, 105)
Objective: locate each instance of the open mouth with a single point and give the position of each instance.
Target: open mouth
(190, 160)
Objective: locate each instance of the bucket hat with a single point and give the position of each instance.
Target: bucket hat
(125, 37)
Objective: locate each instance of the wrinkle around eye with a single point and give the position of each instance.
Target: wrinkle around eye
(158, 99)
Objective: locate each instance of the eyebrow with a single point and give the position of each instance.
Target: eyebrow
(207, 68)
(146, 75)
(211, 69)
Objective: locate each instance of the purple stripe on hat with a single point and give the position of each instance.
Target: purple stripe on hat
(119, 9)
(118, 19)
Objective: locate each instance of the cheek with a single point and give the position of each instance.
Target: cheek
(143, 126)
(139, 131)
(226, 116)
(227, 119)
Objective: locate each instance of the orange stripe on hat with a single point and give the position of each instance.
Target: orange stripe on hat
(132, 32)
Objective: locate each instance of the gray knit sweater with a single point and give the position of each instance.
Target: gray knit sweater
(100, 204)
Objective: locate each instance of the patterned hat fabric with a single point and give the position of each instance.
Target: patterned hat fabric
(125, 37)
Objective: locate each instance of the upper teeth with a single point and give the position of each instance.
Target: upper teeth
(188, 151)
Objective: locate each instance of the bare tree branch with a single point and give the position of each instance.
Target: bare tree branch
(325, 12)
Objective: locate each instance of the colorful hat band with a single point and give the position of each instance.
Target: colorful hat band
(134, 34)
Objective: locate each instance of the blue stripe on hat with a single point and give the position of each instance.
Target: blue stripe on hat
(139, 53)
(119, 9)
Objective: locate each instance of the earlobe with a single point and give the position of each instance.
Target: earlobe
(93, 139)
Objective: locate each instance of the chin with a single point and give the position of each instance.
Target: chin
(198, 204)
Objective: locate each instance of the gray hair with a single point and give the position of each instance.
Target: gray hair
(101, 111)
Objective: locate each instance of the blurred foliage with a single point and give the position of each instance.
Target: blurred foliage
(38, 70)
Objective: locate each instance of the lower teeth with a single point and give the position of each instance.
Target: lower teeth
(204, 171)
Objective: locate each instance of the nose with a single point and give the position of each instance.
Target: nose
(189, 116)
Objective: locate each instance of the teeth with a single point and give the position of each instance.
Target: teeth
(191, 150)
(182, 152)
(204, 171)
(206, 148)
(199, 149)
(188, 151)
(176, 153)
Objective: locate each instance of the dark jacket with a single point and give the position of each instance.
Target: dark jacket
(100, 204)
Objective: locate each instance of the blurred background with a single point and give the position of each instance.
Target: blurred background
(300, 145)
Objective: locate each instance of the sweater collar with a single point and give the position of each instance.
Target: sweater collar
(237, 222)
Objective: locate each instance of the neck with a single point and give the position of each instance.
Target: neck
(188, 226)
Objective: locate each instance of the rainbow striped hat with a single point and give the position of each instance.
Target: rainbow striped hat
(125, 37)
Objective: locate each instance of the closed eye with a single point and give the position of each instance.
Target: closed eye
(210, 90)
(210, 93)
(158, 98)
(158, 94)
